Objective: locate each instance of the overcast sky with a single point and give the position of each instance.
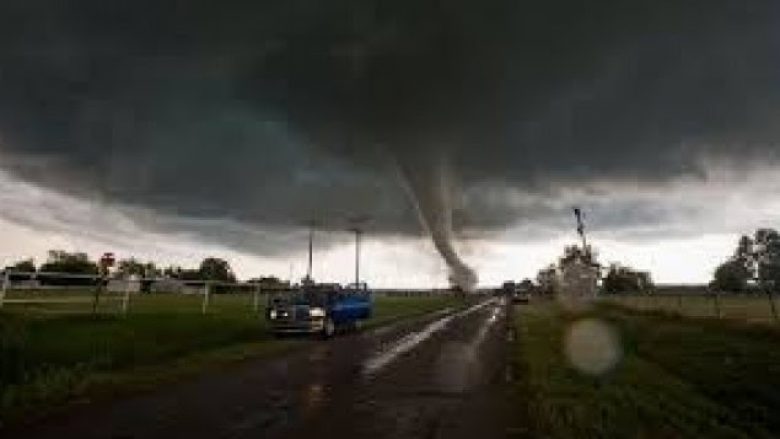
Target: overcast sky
(175, 130)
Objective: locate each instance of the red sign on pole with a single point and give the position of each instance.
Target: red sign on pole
(107, 260)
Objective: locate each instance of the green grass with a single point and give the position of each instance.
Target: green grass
(81, 302)
(678, 377)
(389, 309)
(50, 354)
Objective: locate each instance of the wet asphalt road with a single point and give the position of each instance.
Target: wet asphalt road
(443, 377)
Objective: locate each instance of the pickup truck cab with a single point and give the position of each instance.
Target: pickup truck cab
(318, 309)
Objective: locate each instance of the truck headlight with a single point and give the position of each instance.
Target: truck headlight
(272, 314)
(317, 312)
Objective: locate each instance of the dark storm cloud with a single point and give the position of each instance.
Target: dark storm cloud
(274, 113)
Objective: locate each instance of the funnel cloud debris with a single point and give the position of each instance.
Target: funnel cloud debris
(271, 113)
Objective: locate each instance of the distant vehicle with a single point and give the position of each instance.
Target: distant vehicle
(521, 297)
(319, 309)
(508, 287)
(516, 293)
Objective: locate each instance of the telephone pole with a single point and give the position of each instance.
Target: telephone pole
(311, 251)
(357, 223)
(308, 279)
(357, 232)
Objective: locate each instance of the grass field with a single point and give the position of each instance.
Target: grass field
(753, 308)
(81, 302)
(677, 377)
(51, 353)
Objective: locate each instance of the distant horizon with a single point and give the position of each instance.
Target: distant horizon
(407, 264)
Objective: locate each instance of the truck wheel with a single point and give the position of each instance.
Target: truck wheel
(329, 328)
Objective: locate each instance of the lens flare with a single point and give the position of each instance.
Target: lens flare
(592, 347)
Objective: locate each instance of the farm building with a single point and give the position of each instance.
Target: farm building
(576, 276)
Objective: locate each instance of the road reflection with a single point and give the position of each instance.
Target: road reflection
(314, 398)
(458, 367)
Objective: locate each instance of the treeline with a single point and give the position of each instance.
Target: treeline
(210, 269)
(754, 266)
(59, 261)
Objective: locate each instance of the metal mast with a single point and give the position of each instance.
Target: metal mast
(357, 232)
(311, 253)
(357, 223)
(581, 229)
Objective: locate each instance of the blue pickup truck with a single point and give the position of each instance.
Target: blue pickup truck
(319, 309)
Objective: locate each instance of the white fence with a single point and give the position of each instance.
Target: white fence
(124, 287)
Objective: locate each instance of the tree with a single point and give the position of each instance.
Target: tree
(754, 259)
(269, 283)
(24, 266)
(745, 251)
(19, 271)
(527, 285)
(216, 269)
(132, 266)
(766, 253)
(621, 279)
(176, 272)
(735, 274)
(151, 270)
(731, 276)
(60, 261)
(72, 263)
(172, 272)
(546, 279)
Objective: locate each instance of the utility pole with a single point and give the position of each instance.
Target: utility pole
(357, 223)
(311, 251)
(357, 232)
(4, 286)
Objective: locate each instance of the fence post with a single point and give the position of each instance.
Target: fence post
(126, 299)
(679, 304)
(98, 290)
(4, 287)
(772, 305)
(206, 293)
(256, 302)
(717, 303)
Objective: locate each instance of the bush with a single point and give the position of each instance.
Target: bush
(621, 279)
